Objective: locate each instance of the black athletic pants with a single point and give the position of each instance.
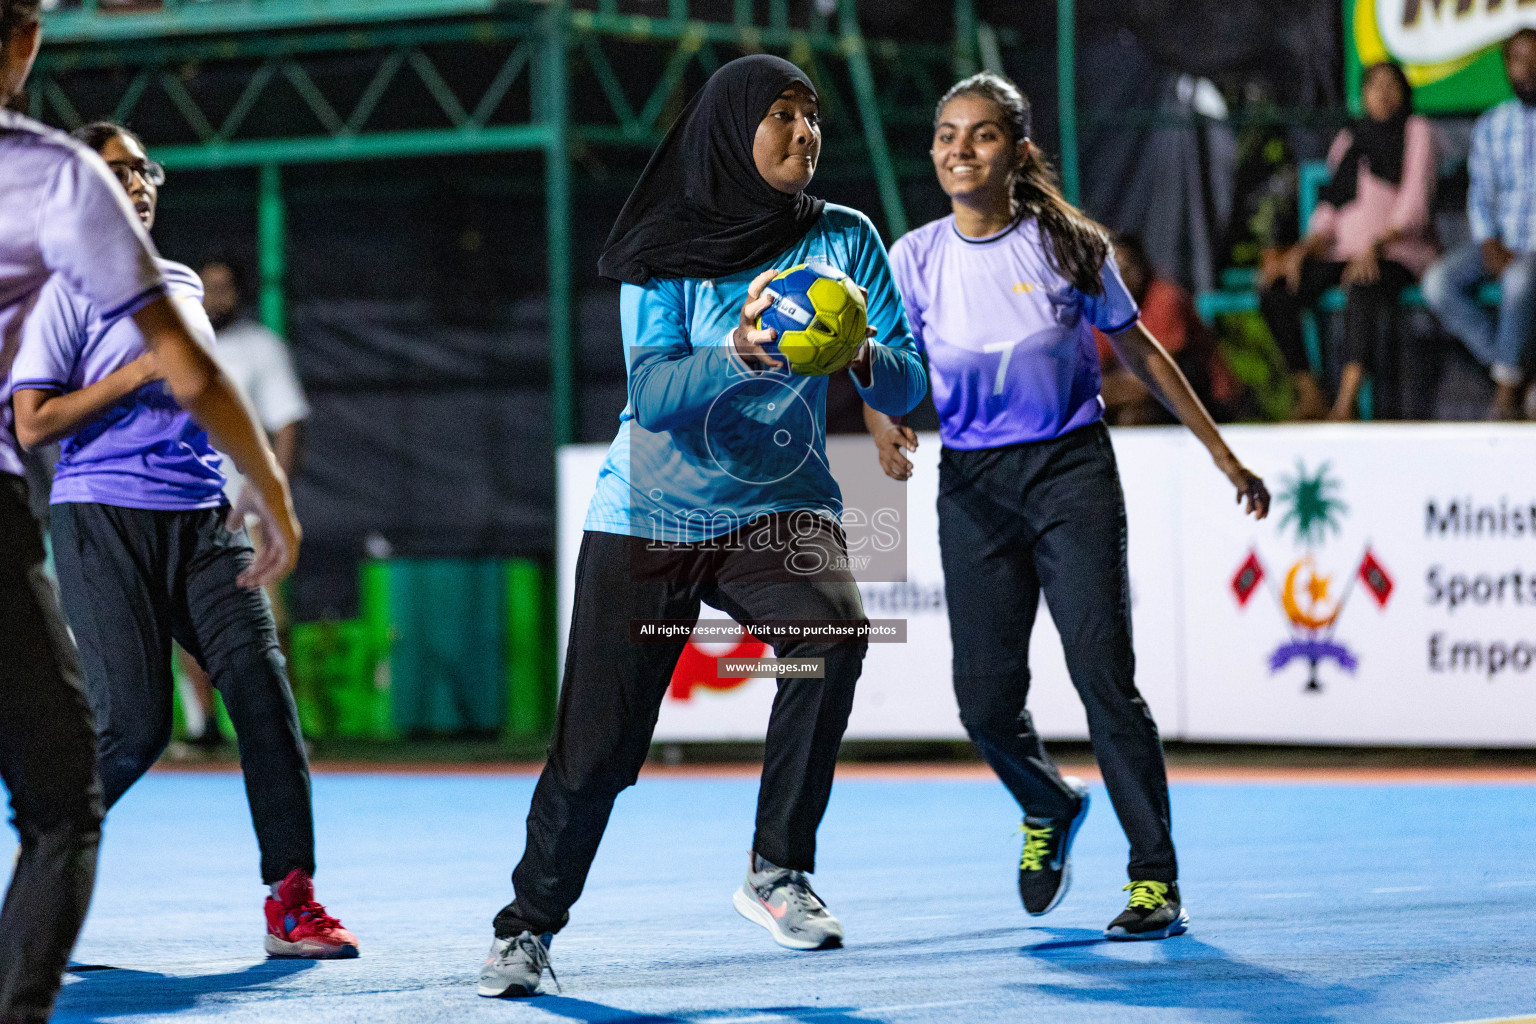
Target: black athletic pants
(1050, 515)
(134, 579)
(47, 758)
(1370, 318)
(773, 569)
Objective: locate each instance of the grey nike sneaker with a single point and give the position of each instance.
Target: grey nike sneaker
(782, 901)
(515, 966)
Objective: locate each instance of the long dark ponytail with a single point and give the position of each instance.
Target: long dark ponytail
(1078, 245)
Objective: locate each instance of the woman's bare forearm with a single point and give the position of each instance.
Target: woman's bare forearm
(44, 416)
(875, 421)
(204, 390)
(1317, 244)
(285, 445)
(1154, 367)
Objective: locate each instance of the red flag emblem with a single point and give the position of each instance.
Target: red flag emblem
(1375, 578)
(1247, 580)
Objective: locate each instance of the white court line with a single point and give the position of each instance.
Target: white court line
(928, 917)
(1499, 1020)
(1402, 888)
(758, 1018)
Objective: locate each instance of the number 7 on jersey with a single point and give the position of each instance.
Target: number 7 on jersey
(1006, 348)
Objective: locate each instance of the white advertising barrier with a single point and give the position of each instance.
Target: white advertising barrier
(905, 691)
(1390, 598)
(1392, 593)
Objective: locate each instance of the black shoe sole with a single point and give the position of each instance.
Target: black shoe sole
(1178, 926)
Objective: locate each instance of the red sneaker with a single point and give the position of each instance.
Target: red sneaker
(297, 926)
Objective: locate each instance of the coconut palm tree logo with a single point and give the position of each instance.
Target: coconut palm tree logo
(1314, 503)
(1306, 595)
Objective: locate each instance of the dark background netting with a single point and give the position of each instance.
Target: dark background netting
(416, 288)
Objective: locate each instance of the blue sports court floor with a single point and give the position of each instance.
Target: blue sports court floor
(1311, 902)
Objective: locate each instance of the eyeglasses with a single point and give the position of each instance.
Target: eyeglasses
(150, 171)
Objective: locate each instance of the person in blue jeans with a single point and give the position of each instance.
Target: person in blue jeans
(1501, 204)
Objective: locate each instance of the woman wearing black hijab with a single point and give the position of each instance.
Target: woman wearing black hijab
(716, 491)
(1371, 233)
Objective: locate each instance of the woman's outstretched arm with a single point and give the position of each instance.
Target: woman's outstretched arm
(206, 392)
(1142, 354)
(889, 372)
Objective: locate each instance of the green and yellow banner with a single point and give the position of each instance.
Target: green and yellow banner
(1449, 48)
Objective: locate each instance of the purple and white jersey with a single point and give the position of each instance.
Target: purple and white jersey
(143, 452)
(62, 212)
(1009, 340)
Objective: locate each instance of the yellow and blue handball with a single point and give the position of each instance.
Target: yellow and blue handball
(819, 314)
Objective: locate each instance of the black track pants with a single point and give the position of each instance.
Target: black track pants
(1050, 515)
(613, 688)
(47, 758)
(134, 579)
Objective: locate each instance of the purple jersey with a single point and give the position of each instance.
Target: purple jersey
(62, 212)
(1009, 340)
(143, 452)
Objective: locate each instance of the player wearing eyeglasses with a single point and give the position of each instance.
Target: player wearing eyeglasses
(62, 215)
(147, 550)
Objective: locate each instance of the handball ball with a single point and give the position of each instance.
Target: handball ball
(819, 314)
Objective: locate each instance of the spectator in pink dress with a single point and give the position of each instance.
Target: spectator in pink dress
(1371, 232)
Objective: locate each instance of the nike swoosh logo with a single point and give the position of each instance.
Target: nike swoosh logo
(775, 911)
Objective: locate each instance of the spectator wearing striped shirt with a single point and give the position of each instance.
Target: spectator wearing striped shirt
(1501, 205)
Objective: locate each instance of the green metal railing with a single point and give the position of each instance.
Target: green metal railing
(277, 51)
(95, 21)
(1066, 91)
(548, 46)
(547, 62)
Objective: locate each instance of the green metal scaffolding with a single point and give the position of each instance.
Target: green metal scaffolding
(551, 59)
(272, 42)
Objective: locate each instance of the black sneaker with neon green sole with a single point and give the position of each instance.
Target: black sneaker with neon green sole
(1154, 912)
(1045, 865)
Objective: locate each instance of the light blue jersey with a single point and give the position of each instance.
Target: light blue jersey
(705, 444)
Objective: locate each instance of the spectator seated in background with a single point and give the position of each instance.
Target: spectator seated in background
(1371, 232)
(1169, 314)
(1501, 205)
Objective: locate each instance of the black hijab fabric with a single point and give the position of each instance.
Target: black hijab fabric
(701, 209)
(1379, 143)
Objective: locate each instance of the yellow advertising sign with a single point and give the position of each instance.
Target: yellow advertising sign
(1449, 48)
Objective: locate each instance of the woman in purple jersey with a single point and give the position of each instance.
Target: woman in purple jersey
(62, 215)
(145, 553)
(1002, 296)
